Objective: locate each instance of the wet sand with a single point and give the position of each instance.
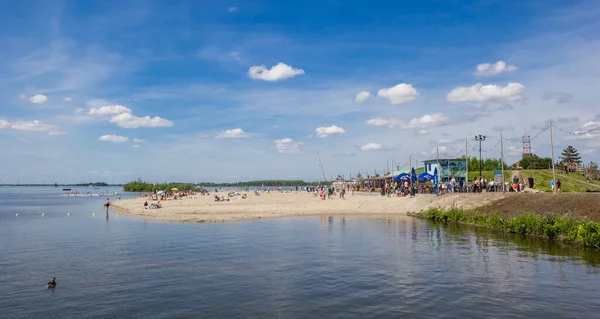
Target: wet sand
(277, 205)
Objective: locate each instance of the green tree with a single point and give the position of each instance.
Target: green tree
(592, 170)
(570, 155)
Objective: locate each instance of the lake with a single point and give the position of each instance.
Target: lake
(327, 267)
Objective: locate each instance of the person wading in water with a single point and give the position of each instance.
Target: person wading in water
(107, 205)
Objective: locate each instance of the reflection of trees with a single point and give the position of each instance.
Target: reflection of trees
(528, 246)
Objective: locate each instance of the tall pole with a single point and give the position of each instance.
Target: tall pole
(502, 160)
(480, 160)
(552, 147)
(467, 166)
(410, 161)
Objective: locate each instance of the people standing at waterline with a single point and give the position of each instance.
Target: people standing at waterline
(107, 205)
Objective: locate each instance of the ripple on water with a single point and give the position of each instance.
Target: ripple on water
(287, 268)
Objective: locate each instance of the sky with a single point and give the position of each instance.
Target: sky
(242, 90)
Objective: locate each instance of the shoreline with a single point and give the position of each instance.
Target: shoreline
(203, 209)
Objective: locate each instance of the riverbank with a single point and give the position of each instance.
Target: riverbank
(277, 205)
(565, 228)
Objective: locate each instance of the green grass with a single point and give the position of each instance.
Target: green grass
(586, 233)
(542, 179)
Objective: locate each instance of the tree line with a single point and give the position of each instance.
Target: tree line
(141, 186)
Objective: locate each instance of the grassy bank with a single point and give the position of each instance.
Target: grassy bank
(569, 229)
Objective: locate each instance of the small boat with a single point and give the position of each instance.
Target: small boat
(66, 189)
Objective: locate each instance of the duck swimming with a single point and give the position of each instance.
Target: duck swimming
(52, 284)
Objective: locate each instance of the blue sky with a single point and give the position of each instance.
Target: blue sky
(228, 91)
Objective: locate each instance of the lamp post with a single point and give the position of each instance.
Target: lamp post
(480, 138)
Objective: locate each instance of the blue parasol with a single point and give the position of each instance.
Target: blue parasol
(425, 177)
(435, 182)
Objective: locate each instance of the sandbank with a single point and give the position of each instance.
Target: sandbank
(201, 209)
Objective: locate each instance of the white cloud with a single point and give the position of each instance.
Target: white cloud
(109, 110)
(135, 146)
(36, 99)
(490, 69)
(78, 111)
(422, 132)
(67, 99)
(323, 131)
(232, 9)
(278, 72)
(485, 93)
(128, 120)
(440, 149)
(137, 140)
(35, 126)
(590, 124)
(113, 138)
(371, 147)
(287, 146)
(57, 133)
(4, 124)
(401, 93)
(443, 141)
(380, 121)
(426, 120)
(233, 133)
(362, 96)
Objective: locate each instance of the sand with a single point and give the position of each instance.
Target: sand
(276, 205)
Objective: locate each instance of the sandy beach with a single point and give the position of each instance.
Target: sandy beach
(276, 205)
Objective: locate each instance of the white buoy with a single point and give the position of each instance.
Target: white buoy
(17, 214)
(68, 214)
(43, 214)
(93, 214)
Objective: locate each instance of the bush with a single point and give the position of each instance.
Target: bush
(554, 227)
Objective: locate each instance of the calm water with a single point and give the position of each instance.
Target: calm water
(287, 268)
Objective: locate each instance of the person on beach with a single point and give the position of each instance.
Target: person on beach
(552, 185)
(530, 180)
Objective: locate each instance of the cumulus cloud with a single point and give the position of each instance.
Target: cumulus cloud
(372, 147)
(67, 99)
(281, 71)
(558, 97)
(31, 126)
(233, 133)
(113, 138)
(34, 126)
(109, 110)
(128, 120)
(422, 132)
(590, 124)
(399, 94)
(137, 140)
(135, 146)
(427, 120)
(486, 93)
(323, 132)
(490, 69)
(36, 99)
(362, 96)
(232, 9)
(78, 111)
(287, 146)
